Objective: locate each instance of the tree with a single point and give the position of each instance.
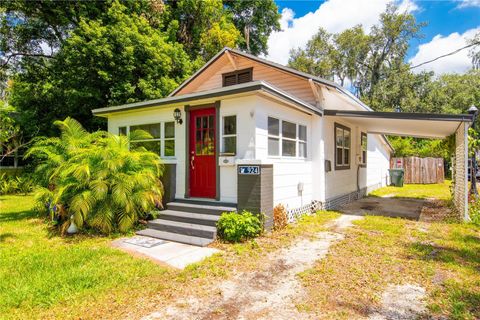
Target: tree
(95, 178)
(256, 19)
(203, 27)
(475, 51)
(118, 58)
(10, 135)
(363, 59)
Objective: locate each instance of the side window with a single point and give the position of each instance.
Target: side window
(169, 139)
(289, 135)
(273, 137)
(229, 138)
(122, 131)
(162, 141)
(152, 144)
(302, 141)
(364, 147)
(342, 147)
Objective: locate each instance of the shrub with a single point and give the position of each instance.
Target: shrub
(13, 185)
(235, 227)
(280, 219)
(474, 211)
(96, 178)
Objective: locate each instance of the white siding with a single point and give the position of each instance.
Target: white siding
(378, 162)
(244, 109)
(287, 172)
(340, 182)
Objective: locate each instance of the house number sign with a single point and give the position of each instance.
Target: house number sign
(248, 169)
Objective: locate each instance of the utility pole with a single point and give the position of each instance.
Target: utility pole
(473, 188)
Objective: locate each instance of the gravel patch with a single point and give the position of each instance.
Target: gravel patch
(401, 302)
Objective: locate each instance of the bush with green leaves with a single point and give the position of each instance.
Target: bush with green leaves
(16, 184)
(96, 178)
(236, 227)
(474, 210)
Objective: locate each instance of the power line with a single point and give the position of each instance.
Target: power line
(445, 55)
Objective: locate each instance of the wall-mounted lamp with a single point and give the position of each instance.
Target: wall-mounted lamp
(177, 115)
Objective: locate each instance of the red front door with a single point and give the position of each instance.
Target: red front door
(202, 153)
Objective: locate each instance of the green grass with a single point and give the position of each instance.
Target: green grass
(39, 270)
(45, 276)
(439, 191)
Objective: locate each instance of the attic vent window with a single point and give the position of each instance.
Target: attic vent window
(237, 77)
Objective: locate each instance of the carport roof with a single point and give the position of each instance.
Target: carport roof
(420, 125)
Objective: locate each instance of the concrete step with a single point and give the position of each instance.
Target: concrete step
(207, 208)
(189, 217)
(197, 241)
(189, 229)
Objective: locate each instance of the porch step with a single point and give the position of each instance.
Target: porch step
(188, 221)
(196, 241)
(202, 208)
(184, 228)
(189, 217)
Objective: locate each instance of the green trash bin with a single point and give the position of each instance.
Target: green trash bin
(396, 177)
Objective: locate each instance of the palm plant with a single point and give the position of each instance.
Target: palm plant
(96, 177)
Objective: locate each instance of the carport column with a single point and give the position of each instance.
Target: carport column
(460, 170)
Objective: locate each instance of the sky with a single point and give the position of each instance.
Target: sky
(449, 25)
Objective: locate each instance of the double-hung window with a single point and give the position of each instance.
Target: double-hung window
(229, 135)
(162, 141)
(286, 139)
(342, 147)
(364, 147)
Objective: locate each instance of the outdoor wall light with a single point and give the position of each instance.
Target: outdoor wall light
(177, 115)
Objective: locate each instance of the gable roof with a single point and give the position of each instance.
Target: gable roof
(259, 86)
(275, 65)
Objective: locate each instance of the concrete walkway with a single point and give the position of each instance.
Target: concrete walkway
(177, 255)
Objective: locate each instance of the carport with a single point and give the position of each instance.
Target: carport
(422, 125)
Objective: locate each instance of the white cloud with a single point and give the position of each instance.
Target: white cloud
(332, 15)
(459, 62)
(469, 3)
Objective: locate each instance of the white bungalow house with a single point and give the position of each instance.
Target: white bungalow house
(247, 133)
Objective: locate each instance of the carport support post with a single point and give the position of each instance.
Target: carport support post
(460, 197)
(473, 111)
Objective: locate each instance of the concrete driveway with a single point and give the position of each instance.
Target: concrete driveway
(389, 207)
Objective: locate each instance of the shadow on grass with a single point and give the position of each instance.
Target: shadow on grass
(463, 257)
(5, 236)
(20, 215)
(463, 294)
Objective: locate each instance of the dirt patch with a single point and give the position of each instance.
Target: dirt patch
(436, 210)
(271, 292)
(401, 302)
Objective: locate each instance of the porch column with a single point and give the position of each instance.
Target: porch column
(460, 178)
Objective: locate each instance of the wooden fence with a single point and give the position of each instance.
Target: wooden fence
(420, 170)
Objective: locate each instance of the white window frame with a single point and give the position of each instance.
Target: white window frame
(162, 138)
(342, 165)
(280, 138)
(363, 160)
(223, 135)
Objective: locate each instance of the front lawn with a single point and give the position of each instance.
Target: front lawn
(45, 276)
(39, 270)
(439, 191)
